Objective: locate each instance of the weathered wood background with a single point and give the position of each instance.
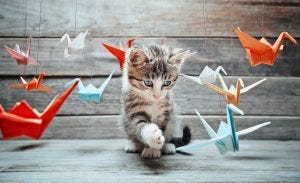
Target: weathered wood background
(202, 26)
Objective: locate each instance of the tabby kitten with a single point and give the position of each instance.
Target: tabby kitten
(148, 112)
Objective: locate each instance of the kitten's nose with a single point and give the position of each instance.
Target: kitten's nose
(156, 96)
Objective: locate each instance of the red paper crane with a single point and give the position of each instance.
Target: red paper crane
(23, 120)
(20, 56)
(261, 51)
(35, 83)
(119, 53)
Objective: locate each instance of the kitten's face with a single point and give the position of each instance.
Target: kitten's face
(153, 70)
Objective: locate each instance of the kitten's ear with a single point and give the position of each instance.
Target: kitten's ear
(137, 57)
(178, 58)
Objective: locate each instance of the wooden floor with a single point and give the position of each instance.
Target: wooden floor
(105, 161)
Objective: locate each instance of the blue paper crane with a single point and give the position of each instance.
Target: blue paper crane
(226, 139)
(90, 92)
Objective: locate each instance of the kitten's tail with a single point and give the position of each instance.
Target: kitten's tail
(184, 140)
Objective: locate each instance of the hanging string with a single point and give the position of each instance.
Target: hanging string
(39, 36)
(204, 22)
(75, 23)
(38, 50)
(25, 17)
(232, 37)
(262, 19)
(25, 29)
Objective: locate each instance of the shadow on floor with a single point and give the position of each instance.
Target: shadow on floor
(28, 147)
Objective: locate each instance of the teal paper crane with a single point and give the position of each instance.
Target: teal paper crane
(226, 139)
(90, 92)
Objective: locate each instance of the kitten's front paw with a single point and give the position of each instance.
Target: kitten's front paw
(152, 135)
(132, 147)
(169, 148)
(151, 153)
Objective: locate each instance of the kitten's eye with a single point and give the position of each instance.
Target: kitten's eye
(148, 83)
(167, 83)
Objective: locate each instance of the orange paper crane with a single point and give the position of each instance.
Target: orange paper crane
(23, 120)
(35, 83)
(262, 52)
(20, 56)
(119, 53)
(232, 94)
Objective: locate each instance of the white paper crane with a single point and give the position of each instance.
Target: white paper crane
(207, 75)
(74, 46)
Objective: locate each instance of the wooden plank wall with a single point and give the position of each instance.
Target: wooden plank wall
(202, 26)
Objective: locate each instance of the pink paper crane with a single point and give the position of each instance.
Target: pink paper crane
(22, 58)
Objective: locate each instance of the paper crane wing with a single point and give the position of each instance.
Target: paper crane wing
(197, 146)
(251, 129)
(18, 86)
(12, 128)
(23, 80)
(245, 89)
(78, 41)
(251, 43)
(44, 88)
(14, 54)
(193, 78)
(16, 118)
(32, 61)
(13, 125)
(118, 53)
(209, 75)
(218, 89)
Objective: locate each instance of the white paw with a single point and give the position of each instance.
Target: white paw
(131, 147)
(151, 153)
(169, 148)
(152, 136)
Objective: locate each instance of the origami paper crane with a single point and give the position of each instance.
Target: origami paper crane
(22, 57)
(207, 75)
(261, 51)
(233, 93)
(119, 53)
(23, 120)
(226, 139)
(90, 92)
(74, 46)
(34, 84)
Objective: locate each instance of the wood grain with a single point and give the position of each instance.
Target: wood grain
(110, 127)
(276, 96)
(163, 18)
(105, 161)
(96, 61)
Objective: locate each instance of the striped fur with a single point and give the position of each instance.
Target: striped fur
(142, 104)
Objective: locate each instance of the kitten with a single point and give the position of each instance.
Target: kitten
(148, 111)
